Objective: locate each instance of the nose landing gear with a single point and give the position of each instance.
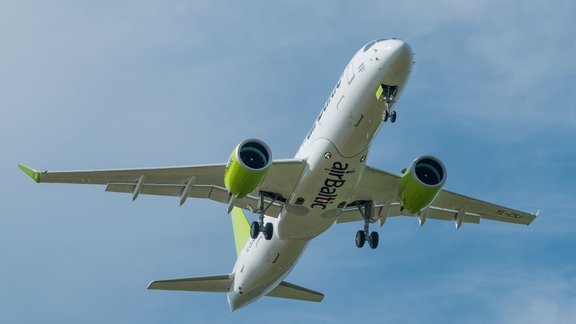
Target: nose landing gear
(389, 115)
(387, 94)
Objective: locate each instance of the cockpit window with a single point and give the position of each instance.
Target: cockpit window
(367, 47)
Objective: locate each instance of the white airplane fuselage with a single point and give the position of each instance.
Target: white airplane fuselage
(335, 152)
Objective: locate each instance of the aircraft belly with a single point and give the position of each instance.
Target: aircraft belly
(326, 185)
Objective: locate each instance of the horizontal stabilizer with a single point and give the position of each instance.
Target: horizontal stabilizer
(291, 291)
(221, 283)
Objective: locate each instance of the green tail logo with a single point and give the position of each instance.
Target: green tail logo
(241, 228)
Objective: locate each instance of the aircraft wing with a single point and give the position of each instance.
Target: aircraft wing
(201, 181)
(382, 188)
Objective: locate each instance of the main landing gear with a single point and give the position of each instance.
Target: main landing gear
(367, 209)
(267, 229)
(258, 226)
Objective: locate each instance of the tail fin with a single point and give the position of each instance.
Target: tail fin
(221, 283)
(241, 228)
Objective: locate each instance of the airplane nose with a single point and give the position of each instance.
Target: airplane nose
(398, 52)
(395, 58)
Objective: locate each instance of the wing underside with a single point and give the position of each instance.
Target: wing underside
(202, 181)
(206, 181)
(382, 188)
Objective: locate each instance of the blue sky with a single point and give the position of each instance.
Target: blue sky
(117, 84)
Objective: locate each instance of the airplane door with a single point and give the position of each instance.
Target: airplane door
(350, 72)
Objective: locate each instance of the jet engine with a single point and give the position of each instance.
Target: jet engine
(420, 183)
(247, 167)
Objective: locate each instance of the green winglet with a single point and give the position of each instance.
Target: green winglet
(35, 175)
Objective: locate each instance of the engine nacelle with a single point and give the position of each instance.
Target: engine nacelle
(247, 167)
(420, 183)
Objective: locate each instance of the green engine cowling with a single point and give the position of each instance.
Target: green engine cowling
(420, 183)
(247, 167)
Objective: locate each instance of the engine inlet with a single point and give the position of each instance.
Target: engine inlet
(254, 154)
(430, 171)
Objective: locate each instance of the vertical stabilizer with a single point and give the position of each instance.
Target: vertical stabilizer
(241, 228)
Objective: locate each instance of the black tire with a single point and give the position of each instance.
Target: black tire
(254, 230)
(268, 231)
(393, 117)
(360, 239)
(386, 115)
(373, 239)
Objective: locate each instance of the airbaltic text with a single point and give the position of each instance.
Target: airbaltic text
(328, 193)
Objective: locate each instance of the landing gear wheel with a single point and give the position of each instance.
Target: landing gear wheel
(360, 238)
(268, 231)
(393, 117)
(386, 115)
(254, 230)
(373, 240)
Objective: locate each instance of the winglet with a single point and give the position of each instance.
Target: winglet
(35, 175)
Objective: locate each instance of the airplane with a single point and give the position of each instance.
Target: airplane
(297, 199)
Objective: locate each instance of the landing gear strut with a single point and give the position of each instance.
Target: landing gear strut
(258, 226)
(367, 209)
